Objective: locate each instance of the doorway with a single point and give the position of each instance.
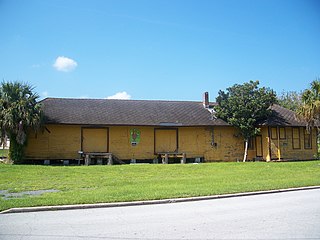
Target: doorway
(95, 139)
(259, 150)
(165, 140)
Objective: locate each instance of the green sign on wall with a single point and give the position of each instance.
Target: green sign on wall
(134, 136)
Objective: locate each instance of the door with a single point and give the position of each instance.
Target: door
(166, 140)
(95, 139)
(259, 146)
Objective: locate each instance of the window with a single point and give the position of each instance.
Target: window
(307, 139)
(278, 130)
(282, 133)
(274, 133)
(296, 138)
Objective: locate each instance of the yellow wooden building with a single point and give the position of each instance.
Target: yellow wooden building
(147, 131)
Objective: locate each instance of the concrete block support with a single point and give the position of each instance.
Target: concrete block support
(165, 159)
(87, 160)
(184, 158)
(110, 160)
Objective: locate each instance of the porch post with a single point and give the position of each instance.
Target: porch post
(268, 157)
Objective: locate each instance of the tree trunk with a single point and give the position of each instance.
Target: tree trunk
(245, 150)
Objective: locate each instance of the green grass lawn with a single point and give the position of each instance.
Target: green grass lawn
(93, 184)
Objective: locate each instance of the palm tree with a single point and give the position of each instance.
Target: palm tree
(19, 111)
(310, 109)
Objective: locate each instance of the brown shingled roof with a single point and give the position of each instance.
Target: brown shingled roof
(144, 113)
(282, 117)
(127, 112)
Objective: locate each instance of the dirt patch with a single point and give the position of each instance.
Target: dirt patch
(5, 194)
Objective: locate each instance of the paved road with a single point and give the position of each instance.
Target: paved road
(291, 215)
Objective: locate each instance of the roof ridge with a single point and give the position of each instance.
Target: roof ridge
(105, 99)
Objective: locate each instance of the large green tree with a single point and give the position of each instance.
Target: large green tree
(310, 109)
(243, 106)
(19, 111)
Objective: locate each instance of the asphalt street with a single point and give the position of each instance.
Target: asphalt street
(289, 215)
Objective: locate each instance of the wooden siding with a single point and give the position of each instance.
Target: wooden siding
(38, 145)
(55, 142)
(121, 147)
(292, 145)
(223, 144)
(211, 143)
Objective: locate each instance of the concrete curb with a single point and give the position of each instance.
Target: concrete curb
(149, 202)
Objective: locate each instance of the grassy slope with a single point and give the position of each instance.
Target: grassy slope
(94, 184)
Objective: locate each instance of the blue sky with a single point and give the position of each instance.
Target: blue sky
(158, 49)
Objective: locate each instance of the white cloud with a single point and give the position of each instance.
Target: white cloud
(45, 94)
(65, 64)
(120, 95)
